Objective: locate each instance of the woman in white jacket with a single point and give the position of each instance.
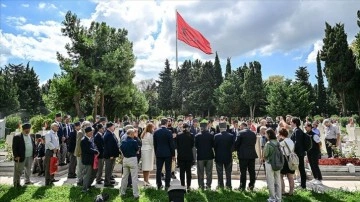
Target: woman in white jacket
(147, 152)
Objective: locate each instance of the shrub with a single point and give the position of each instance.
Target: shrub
(47, 122)
(90, 118)
(160, 117)
(144, 117)
(356, 118)
(343, 121)
(37, 123)
(319, 119)
(334, 117)
(13, 122)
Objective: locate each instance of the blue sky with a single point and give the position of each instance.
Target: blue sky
(281, 35)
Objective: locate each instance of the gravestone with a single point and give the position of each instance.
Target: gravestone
(2, 128)
(322, 137)
(351, 133)
(357, 140)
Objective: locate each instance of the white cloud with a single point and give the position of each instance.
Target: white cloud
(43, 5)
(25, 5)
(15, 21)
(313, 54)
(3, 5)
(234, 28)
(40, 44)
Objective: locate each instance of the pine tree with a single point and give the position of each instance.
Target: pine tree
(228, 68)
(8, 93)
(321, 91)
(302, 78)
(217, 71)
(165, 87)
(339, 62)
(253, 87)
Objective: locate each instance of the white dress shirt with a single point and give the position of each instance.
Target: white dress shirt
(51, 140)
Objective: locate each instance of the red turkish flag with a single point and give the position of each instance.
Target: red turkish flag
(191, 36)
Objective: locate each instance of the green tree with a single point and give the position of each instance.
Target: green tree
(149, 88)
(217, 71)
(302, 78)
(321, 91)
(339, 61)
(285, 97)
(253, 87)
(140, 104)
(228, 68)
(8, 94)
(165, 88)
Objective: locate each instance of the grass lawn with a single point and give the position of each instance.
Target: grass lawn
(71, 193)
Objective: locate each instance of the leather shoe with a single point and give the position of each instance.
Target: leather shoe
(160, 187)
(108, 185)
(71, 177)
(112, 182)
(28, 183)
(55, 180)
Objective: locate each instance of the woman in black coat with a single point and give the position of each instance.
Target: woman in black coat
(185, 144)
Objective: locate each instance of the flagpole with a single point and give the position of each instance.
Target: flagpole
(176, 39)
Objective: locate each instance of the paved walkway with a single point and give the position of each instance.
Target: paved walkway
(346, 185)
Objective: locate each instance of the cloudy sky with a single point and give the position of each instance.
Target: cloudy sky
(281, 35)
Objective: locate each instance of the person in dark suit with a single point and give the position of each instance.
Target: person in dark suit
(298, 138)
(245, 147)
(211, 128)
(40, 156)
(71, 150)
(62, 140)
(23, 149)
(88, 153)
(99, 143)
(68, 128)
(223, 147)
(204, 143)
(111, 152)
(165, 152)
(185, 144)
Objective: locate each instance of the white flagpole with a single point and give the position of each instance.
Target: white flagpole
(176, 39)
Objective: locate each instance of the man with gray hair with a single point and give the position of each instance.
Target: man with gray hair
(223, 147)
(332, 137)
(52, 147)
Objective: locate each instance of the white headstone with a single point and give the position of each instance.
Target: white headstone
(357, 140)
(2, 128)
(351, 132)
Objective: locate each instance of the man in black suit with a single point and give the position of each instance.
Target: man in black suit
(204, 143)
(23, 149)
(245, 147)
(165, 152)
(99, 143)
(68, 128)
(88, 153)
(62, 139)
(223, 147)
(111, 152)
(211, 128)
(71, 150)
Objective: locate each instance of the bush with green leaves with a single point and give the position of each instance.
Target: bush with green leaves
(318, 118)
(160, 117)
(344, 121)
(144, 117)
(13, 122)
(47, 122)
(356, 119)
(37, 122)
(90, 118)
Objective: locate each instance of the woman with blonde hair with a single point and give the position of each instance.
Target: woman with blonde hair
(147, 152)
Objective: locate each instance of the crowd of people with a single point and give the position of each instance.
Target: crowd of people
(90, 149)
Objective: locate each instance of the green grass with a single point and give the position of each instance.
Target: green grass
(71, 193)
(2, 143)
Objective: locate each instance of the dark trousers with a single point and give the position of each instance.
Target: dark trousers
(329, 144)
(109, 167)
(228, 169)
(185, 167)
(302, 171)
(159, 164)
(72, 165)
(313, 158)
(48, 178)
(247, 165)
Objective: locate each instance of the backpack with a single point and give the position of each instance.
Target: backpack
(307, 141)
(277, 158)
(292, 159)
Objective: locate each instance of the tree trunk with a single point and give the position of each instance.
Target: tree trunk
(343, 103)
(102, 108)
(77, 104)
(96, 101)
(253, 112)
